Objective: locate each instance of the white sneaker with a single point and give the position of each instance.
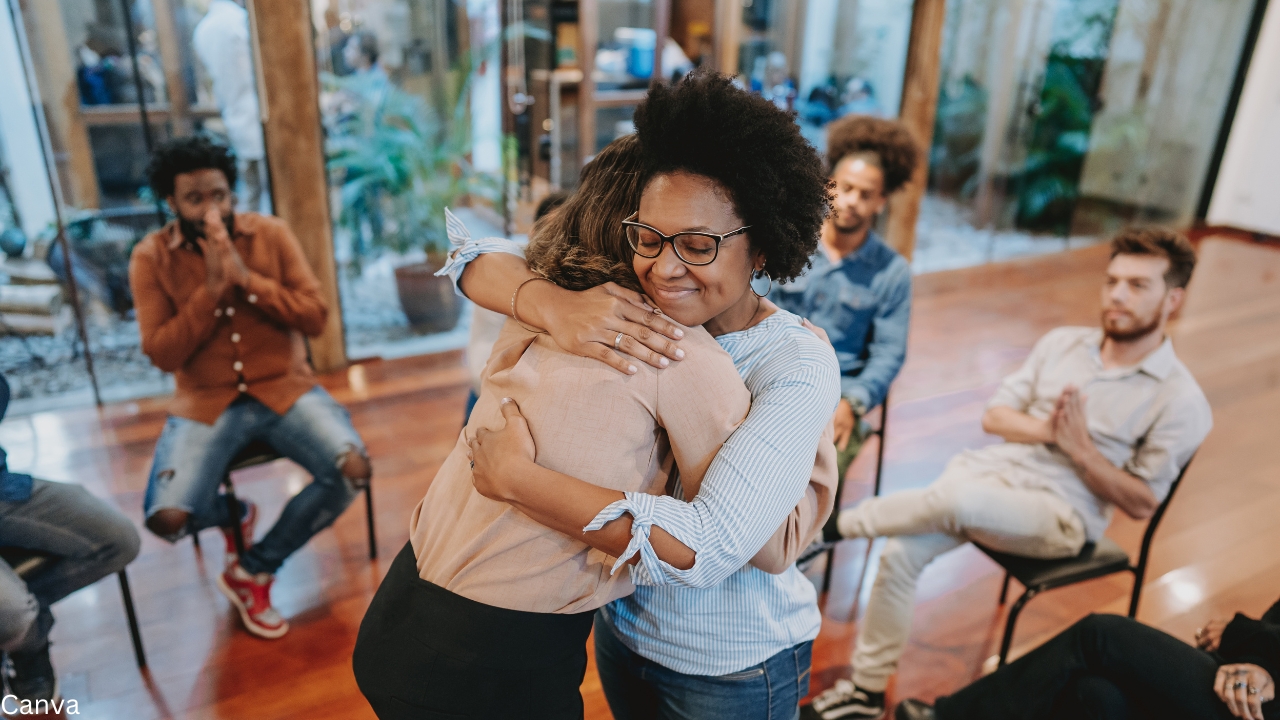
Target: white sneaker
(846, 701)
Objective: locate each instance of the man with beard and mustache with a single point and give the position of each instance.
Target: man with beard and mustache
(1096, 418)
(223, 302)
(858, 289)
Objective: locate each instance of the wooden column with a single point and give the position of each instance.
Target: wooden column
(919, 107)
(168, 38)
(728, 35)
(289, 93)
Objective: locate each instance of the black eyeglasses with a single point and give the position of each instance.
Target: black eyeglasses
(692, 247)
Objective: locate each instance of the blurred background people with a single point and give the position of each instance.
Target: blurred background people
(221, 41)
(1095, 419)
(85, 539)
(224, 300)
(857, 288)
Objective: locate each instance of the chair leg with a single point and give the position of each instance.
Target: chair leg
(826, 572)
(195, 543)
(368, 517)
(133, 619)
(1004, 589)
(1137, 593)
(1010, 623)
(233, 511)
(879, 463)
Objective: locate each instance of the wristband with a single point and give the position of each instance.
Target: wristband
(516, 317)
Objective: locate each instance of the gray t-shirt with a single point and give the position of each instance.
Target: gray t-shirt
(1147, 419)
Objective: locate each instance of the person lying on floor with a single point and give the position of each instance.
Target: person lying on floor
(1096, 418)
(1107, 667)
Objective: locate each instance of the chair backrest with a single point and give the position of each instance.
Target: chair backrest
(1158, 515)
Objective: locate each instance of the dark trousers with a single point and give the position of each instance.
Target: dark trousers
(1104, 667)
(425, 652)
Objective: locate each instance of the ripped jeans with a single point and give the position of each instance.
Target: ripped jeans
(192, 457)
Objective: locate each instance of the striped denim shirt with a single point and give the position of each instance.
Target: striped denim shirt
(721, 616)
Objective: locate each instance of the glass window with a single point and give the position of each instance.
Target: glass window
(409, 101)
(101, 67)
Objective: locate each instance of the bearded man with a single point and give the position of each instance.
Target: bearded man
(857, 288)
(223, 302)
(1096, 418)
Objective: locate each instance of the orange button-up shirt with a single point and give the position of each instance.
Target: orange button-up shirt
(249, 340)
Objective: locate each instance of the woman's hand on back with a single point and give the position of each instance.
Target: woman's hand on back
(497, 455)
(588, 324)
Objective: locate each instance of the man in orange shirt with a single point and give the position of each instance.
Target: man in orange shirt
(223, 301)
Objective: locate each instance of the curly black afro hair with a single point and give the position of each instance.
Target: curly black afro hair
(184, 155)
(888, 139)
(707, 126)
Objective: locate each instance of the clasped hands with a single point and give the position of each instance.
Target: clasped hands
(223, 265)
(1068, 426)
(497, 455)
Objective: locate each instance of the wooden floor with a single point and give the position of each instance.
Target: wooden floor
(1215, 552)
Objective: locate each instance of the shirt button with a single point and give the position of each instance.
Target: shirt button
(238, 366)
(235, 337)
(242, 387)
(231, 311)
(253, 298)
(217, 312)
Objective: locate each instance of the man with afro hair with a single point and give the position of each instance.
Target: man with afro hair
(858, 289)
(224, 300)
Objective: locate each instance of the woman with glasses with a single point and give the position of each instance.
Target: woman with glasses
(731, 191)
(485, 613)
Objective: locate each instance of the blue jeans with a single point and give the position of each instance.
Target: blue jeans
(90, 538)
(640, 689)
(192, 457)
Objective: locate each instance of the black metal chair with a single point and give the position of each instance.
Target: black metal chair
(878, 433)
(260, 453)
(28, 563)
(1095, 560)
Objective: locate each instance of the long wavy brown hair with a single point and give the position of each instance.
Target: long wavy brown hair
(581, 244)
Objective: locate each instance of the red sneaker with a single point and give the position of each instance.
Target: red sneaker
(247, 524)
(251, 596)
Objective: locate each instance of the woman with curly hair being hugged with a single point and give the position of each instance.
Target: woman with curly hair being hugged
(731, 191)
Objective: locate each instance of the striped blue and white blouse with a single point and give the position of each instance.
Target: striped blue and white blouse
(721, 615)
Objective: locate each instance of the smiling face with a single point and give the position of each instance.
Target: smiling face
(1136, 301)
(693, 295)
(859, 193)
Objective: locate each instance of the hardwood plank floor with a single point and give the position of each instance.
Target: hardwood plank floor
(1213, 555)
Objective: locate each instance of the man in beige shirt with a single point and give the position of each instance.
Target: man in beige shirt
(1094, 419)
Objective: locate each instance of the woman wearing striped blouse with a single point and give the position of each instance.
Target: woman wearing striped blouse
(728, 182)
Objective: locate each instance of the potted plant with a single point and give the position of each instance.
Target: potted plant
(400, 161)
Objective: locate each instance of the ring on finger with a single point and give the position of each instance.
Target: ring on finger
(1238, 685)
(1251, 690)
(617, 341)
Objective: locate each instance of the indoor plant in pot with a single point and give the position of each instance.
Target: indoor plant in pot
(399, 161)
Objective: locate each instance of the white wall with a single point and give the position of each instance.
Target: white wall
(19, 137)
(1247, 194)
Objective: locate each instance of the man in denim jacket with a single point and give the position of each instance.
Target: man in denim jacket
(858, 289)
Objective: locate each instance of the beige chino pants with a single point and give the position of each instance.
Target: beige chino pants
(965, 503)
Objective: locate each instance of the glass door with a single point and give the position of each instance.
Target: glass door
(410, 106)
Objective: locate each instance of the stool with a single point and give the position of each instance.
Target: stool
(258, 452)
(28, 563)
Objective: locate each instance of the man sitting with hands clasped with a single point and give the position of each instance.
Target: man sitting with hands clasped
(223, 302)
(1094, 419)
